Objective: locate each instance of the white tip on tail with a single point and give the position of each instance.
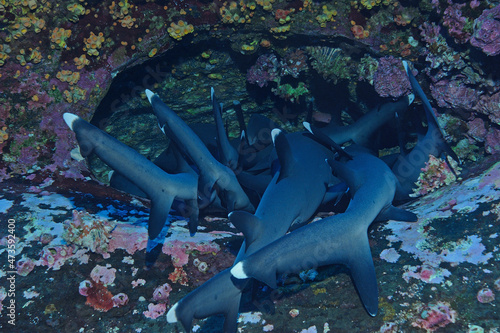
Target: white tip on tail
(411, 98)
(274, 133)
(238, 272)
(171, 315)
(307, 126)
(212, 92)
(70, 118)
(110, 174)
(149, 94)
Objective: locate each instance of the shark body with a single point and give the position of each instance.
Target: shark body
(213, 174)
(292, 196)
(160, 187)
(339, 239)
(408, 166)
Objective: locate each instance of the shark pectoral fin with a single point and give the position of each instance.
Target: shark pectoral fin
(159, 214)
(284, 152)
(362, 271)
(397, 214)
(250, 225)
(326, 140)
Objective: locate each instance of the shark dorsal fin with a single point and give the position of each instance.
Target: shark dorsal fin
(285, 156)
(250, 225)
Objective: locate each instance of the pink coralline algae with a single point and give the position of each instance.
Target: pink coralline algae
(435, 174)
(456, 23)
(454, 94)
(179, 250)
(265, 70)
(24, 266)
(130, 238)
(103, 274)
(162, 293)
(119, 300)
(486, 34)
(485, 295)
(390, 79)
(54, 256)
(155, 310)
(434, 316)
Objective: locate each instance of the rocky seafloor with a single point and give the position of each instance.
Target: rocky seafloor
(440, 273)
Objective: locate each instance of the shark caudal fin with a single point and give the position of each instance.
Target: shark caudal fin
(432, 121)
(244, 270)
(229, 155)
(250, 225)
(216, 296)
(360, 264)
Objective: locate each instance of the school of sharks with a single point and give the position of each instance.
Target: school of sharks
(270, 191)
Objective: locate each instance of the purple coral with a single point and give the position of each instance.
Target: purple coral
(429, 32)
(454, 94)
(490, 106)
(486, 34)
(455, 22)
(390, 79)
(265, 70)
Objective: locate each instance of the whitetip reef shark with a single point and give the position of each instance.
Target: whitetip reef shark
(408, 166)
(160, 187)
(213, 174)
(339, 239)
(292, 196)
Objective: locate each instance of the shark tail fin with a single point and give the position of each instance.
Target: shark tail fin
(229, 154)
(285, 155)
(432, 121)
(362, 272)
(250, 225)
(397, 214)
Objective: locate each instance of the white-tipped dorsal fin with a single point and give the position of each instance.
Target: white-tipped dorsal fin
(238, 272)
(70, 118)
(411, 98)
(149, 94)
(212, 92)
(307, 126)
(274, 133)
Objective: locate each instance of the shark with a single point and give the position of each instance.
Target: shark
(213, 175)
(157, 185)
(408, 166)
(293, 195)
(339, 239)
(361, 131)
